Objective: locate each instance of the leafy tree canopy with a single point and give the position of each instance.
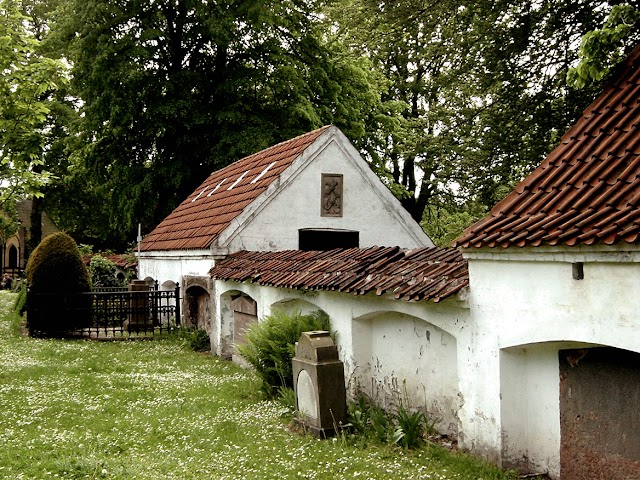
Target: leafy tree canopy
(174, 90)
(479, 91)
(452, 101)
(28, 80)
(602, 48)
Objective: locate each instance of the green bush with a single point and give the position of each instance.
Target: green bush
(20, 304)
(103, 273)
(369, 422)
(270, 345)
(55, 268)
(195, 339)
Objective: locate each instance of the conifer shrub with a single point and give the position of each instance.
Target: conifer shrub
(270, 346)
(55, 269)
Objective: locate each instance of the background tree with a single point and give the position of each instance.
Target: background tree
(483, 92)
(452, 101)
(603, 48)
(174, 90)
(27, 82)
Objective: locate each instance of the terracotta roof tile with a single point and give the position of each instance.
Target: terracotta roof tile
(121, 260)
(587, 190)
(200, 218)
(419, 274)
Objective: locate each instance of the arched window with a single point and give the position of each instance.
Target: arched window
(13, 257)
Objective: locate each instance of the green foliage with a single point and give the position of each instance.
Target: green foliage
(20, 305)
(411, 428)
(445, 223)
(270, 345)
(406, 427)
(85, 249)
(56, 267)
(287, 398)
(8, 220)
(601, 49)
(172, 91)
(103, 273)
(195, 339)
(476, 91)
(28, 80)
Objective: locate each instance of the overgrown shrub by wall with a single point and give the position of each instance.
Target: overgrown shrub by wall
(103, 273)
(270, 345)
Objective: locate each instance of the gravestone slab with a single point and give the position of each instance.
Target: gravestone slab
(318, 378)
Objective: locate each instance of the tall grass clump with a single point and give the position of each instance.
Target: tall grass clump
(270, 345)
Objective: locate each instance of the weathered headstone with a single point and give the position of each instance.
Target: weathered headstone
(139, 306)
(318, 379)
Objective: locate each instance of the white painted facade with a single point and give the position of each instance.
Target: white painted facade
(271, 223)
(174, 265)
(392, 350)
(292, 202)
(525, 306)
(484, 363)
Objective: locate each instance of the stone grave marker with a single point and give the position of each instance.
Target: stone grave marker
(318, 379)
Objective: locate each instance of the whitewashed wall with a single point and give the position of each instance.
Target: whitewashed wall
(525, 306)
(172, 266)
(389, 347)
(295, 200)
(271, 223)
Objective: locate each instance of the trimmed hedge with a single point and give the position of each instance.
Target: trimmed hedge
(55, 268)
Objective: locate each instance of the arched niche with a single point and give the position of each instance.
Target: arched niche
(403, 358)
(238, 311)
(556, 395)
(294, 305)
(197, 308)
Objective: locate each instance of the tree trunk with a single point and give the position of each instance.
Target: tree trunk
(35, 228)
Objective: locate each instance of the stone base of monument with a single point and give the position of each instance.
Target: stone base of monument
(318, 379)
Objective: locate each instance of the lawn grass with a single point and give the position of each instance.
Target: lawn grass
(156, 410)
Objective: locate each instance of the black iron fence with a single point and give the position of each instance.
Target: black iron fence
(103, 314)
(15, 272)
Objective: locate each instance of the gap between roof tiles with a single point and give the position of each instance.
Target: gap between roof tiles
(239, 179)
(217, 187)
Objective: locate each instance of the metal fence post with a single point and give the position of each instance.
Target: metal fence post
(177, 304)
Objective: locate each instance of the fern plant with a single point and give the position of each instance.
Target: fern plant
(270, 345)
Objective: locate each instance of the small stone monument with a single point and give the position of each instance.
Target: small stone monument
(318, 380)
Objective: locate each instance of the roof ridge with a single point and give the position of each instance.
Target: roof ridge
(224, 194)
(578, 193)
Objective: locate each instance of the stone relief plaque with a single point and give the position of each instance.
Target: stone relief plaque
(331, 195)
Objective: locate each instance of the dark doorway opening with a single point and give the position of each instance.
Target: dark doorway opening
(13, 257)
(327, 239)
(599, 414)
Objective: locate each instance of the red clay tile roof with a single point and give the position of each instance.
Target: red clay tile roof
(197, 221)
(121, 260)
(419, 274)
(587, 191)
